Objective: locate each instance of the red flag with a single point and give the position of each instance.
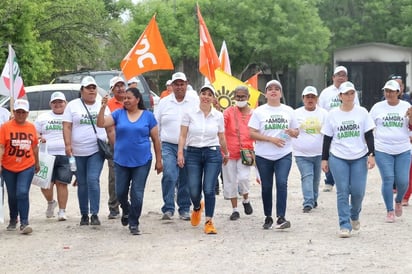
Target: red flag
(11, 83)
(208, 60)
(253, 81)
(149, 53)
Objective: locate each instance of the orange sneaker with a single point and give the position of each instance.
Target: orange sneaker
(197, 215)
(210, 228)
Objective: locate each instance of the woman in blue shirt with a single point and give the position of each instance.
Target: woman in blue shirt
(134, 127)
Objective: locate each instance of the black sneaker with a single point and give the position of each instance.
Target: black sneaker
(125, 220)
(268, 223)
(84, 220)
(248, 208)
(134, 230)
(235, 216)
(94, 220)
(315, 205)
(281, 223)
(307, 209)
(12, 225)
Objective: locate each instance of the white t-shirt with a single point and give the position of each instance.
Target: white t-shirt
(392, 127)
(202, 131)
(50, 126)
(84, 142)
(169, 114)
(329, 98)
(347, 130)
(309, 141)
(272, 121)
(4, 115)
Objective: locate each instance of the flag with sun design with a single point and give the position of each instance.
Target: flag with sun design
(225, 85)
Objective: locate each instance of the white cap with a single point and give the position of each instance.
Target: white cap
(208, 86)
(339, 69)
(273, 82)
(57, 95)
(346, 86)
(168, 82)
(309, 90)
(115, 80)
(87, 81)
(132, 80)
(21, 104)
(179, 76)
(392, 85)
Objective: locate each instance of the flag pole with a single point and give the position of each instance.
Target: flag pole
(11, 61)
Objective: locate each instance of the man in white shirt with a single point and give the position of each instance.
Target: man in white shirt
(169, 114)
(329, 99)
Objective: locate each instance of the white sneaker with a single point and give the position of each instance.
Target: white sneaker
(355, 224)
(344, 233)
(50, 209)
(61, 216)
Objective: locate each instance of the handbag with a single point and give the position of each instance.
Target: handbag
(104, 147)
(46, 162)
(246, 155)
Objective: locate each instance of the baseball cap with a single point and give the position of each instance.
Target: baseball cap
(208, 86)
(392, 85)
(115, 80)
(309, 90)
(132, 80)
(57, 95)
(346, 86)
(273, 82)
(339, 69)
(179, 76)
(21, 104)
(87, 81)
(168, 82)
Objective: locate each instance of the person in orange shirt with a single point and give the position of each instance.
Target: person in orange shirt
(19, 159)
(168, 90)
(118, 88)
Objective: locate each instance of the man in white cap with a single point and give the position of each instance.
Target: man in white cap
(118, 88)
(329, 99)
(169, 115)
(307, 149)
(168, 90)
(132, 83)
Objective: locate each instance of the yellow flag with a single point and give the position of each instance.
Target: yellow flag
(225, 85)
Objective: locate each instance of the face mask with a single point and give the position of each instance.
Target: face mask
(241, 104)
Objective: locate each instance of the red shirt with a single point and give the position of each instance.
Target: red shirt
(236, 122)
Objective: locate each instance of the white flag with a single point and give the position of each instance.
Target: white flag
(11, 81)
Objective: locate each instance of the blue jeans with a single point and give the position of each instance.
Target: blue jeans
(174, 177)
(329, 179)
(281, 169)
(88, 182)
(203, 168)
(134, 178)
(310, 171)
(350, 179)
(18, 188)
(393, 169)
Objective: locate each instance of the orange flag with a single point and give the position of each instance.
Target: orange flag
(149, 53)
(208, 60)
(224, 59)
(253, 81)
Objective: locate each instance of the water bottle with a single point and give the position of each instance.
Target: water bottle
(72, 162)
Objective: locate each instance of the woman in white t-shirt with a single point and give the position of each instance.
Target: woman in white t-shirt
(272, 125)
(49, 127)
(392, 146)
(202, 131)
(348, 151)
(80, 141)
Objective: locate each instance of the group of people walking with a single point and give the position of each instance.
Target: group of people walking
(193, 143)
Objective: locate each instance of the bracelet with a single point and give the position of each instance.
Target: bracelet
(226, 155)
